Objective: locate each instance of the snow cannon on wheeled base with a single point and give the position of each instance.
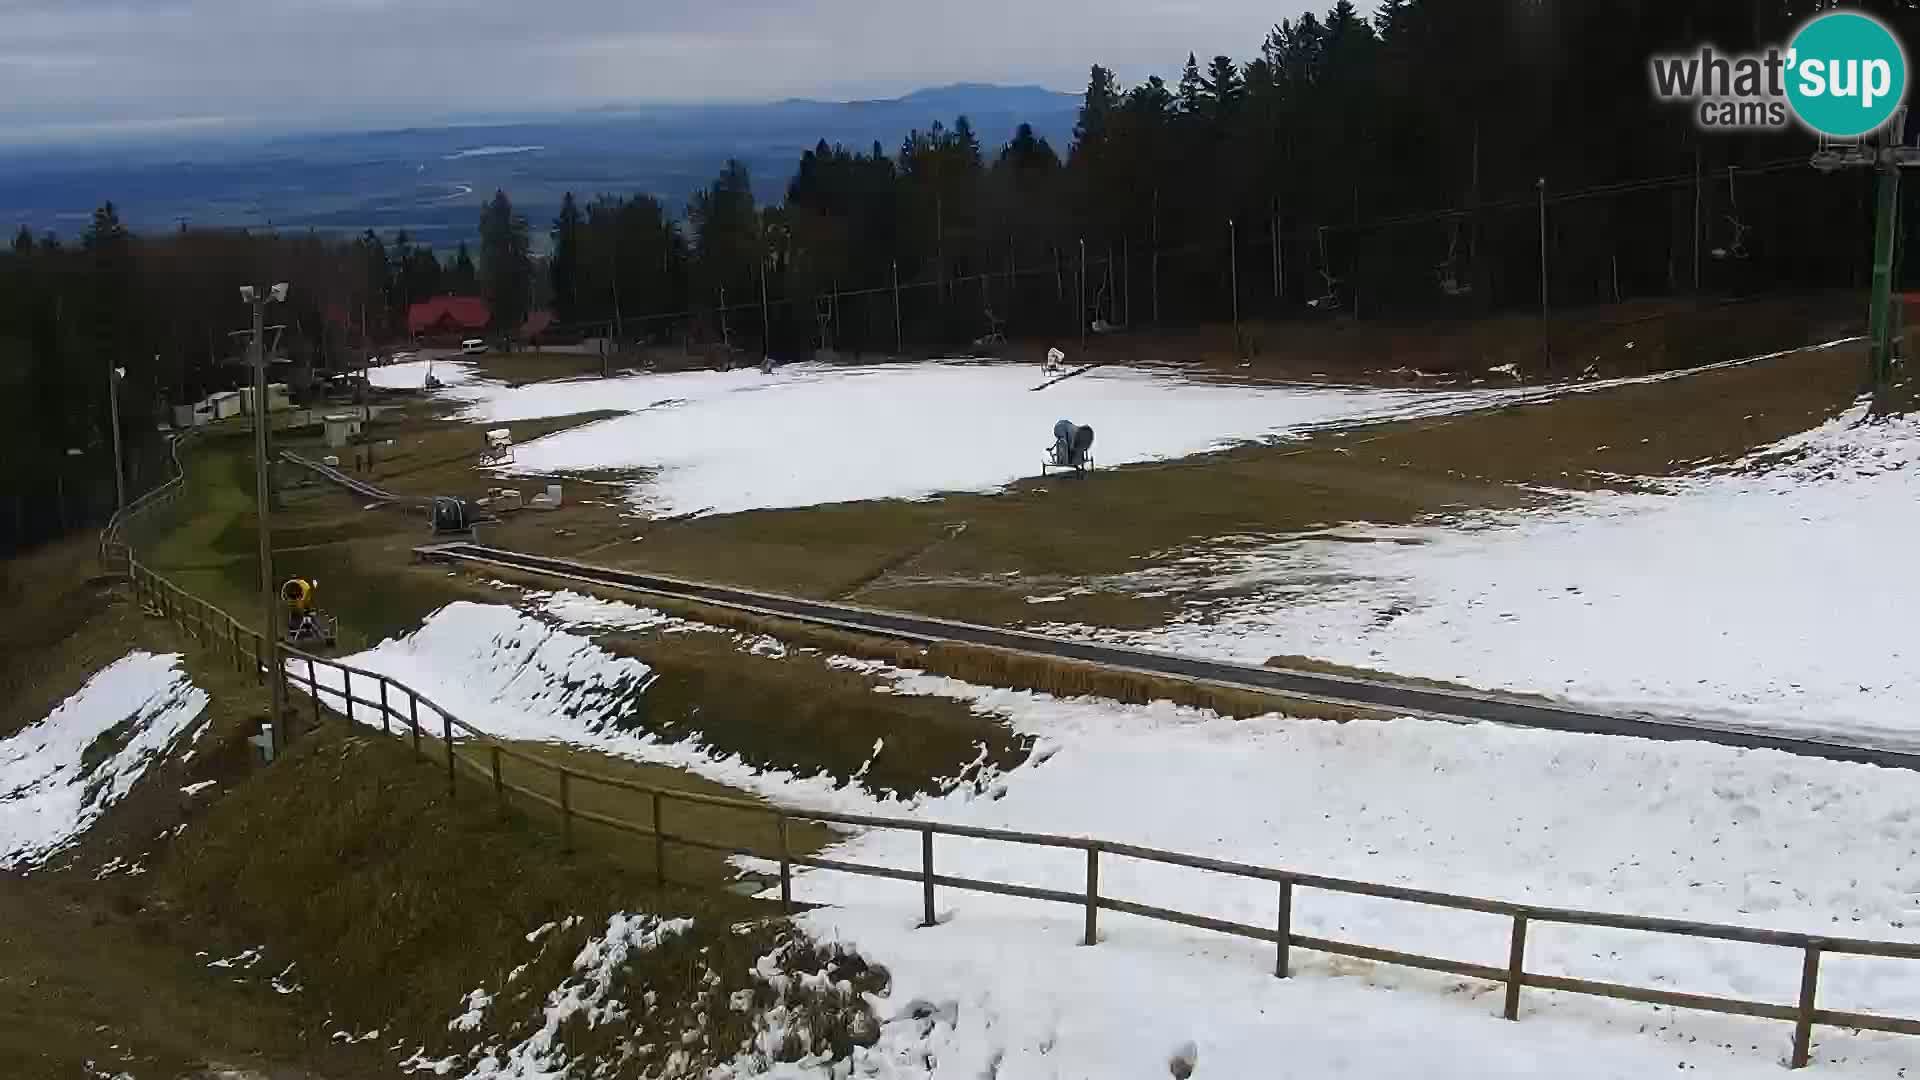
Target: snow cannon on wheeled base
(1072, 448)
(306, 623)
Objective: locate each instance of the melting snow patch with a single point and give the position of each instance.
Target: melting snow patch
(473, 1010)
(57, 776)
(588, 994)
(194, 789)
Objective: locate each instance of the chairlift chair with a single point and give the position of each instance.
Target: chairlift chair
(1330, 300)
(1736, 247)
(1447, 272)
(996, 330)
(823, 320)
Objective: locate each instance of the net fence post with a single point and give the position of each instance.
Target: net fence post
(1809, 989)
(446, 731)
(499, 785)
(786, 866)
(926, 875)
(1093, 894)
(1283, 930)
(659, 844)
(1516, 957)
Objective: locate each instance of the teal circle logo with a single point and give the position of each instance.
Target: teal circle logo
(1847, 74)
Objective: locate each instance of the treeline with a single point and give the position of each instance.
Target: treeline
(1411, 164)
(1438, 158)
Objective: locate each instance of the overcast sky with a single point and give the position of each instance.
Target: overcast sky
(77, 66)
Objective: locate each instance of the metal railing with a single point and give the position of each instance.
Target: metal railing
(398, 709)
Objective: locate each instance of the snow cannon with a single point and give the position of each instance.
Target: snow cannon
(1054, 359)
(306, 623)
(450, 515)
(1072, 446)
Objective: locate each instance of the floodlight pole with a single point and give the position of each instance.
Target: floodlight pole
(1081, 313)
(1546, 311)
(1880, 346)
(766, 323)
(899, 340)
(1886, 155)
(269, 605)
(113, 408)
(1233, 279)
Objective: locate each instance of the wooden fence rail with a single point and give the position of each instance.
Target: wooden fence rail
(483, 757)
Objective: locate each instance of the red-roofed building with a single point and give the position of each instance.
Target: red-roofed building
(447, 319)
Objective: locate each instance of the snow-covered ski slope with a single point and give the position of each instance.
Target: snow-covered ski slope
(58, 775)
(1767, 593)
(821, 433)
(1670, 829)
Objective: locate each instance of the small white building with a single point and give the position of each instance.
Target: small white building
(225, 404)
(341, 428)
(277, 398)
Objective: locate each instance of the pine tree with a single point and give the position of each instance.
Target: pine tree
(1389, 16)
(506, 268)
(23, 241)
(564, 267)
(1096, 111)
(1192, 91)
(460, 277)
(966, 143)
(1223, 89)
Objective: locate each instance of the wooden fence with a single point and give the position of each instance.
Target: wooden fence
(398, 708)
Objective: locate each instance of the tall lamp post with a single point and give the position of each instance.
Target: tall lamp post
(259, 298)
(114, 375)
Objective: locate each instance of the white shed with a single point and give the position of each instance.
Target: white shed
(277, 398)
(225, 404)
(341, 428)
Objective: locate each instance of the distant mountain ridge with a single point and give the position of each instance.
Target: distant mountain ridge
(430, 181)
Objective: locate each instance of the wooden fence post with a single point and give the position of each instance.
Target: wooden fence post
(259, 658)
(1516, 957)
(566, 812)
(413, 719)
(499, 786)
(659, 844)
(1285, 930)
(1093, 894)
(446, 731)
(926, 874)
(313, 687)
(786, 867)
(385, 729)
(1809, 987)
(346, 689)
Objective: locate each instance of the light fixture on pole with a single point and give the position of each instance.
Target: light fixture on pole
(269, 595)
